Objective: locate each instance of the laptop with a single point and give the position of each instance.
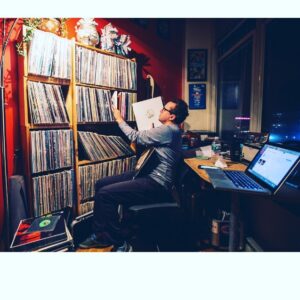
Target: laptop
(264, 175)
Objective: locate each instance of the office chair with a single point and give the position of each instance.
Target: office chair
(160, 226)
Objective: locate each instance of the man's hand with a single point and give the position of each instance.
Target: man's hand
(117, 115)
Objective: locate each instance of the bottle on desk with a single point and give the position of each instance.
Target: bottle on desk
(216, 145)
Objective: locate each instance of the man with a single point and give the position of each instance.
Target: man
(148, 188)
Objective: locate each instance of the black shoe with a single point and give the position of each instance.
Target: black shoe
(92, 242)
(123, 248)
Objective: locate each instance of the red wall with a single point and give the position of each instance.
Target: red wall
(157, 56)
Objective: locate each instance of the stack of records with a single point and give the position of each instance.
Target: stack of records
(45, 233)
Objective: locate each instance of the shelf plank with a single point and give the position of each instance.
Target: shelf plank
(105, 87)
(49, 126)
(102, 123)
(86, 162)
(45, 79)
(47, 172)
(104, 51)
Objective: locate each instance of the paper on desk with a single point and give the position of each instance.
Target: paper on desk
(206, 151)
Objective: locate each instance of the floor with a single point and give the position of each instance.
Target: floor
(205, 247)
(108, 249)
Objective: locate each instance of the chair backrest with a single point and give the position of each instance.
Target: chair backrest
(180, 173)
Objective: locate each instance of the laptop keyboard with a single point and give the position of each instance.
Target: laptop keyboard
(240, 180)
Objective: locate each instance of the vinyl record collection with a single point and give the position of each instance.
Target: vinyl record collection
(46, 103)
(51, 150)
(123, 102)
(52, 192)
(102, 147)
(49, 55)
(94, 105)
(89, 175)
(105, 70)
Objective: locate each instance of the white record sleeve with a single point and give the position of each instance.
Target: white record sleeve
(147, 113)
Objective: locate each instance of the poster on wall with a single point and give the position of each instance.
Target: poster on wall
(197, 65)
(197, 96)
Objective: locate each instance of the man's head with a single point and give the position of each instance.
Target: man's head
(174, 111)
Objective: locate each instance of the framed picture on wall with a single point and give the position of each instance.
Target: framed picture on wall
(197, 96)
(197, 65)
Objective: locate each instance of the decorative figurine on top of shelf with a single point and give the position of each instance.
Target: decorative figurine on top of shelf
(50, 25)
(63, 32)
(86, 32)
(111, 41)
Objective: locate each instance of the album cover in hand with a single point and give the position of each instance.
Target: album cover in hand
(147, 113)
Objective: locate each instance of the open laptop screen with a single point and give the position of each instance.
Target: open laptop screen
(272, 164)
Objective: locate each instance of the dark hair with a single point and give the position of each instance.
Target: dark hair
(180, 111)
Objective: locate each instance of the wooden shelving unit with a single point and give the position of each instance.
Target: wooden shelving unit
(71, 101)
(82, 125)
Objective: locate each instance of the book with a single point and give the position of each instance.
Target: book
(147, 113)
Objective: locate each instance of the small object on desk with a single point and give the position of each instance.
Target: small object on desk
(206, 167)
(221, 163)
(199, 155)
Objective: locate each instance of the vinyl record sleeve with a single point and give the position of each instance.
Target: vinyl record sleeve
(147, 113)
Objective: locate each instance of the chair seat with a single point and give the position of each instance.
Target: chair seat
(154, 226)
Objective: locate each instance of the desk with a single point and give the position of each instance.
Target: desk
(193, 163)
